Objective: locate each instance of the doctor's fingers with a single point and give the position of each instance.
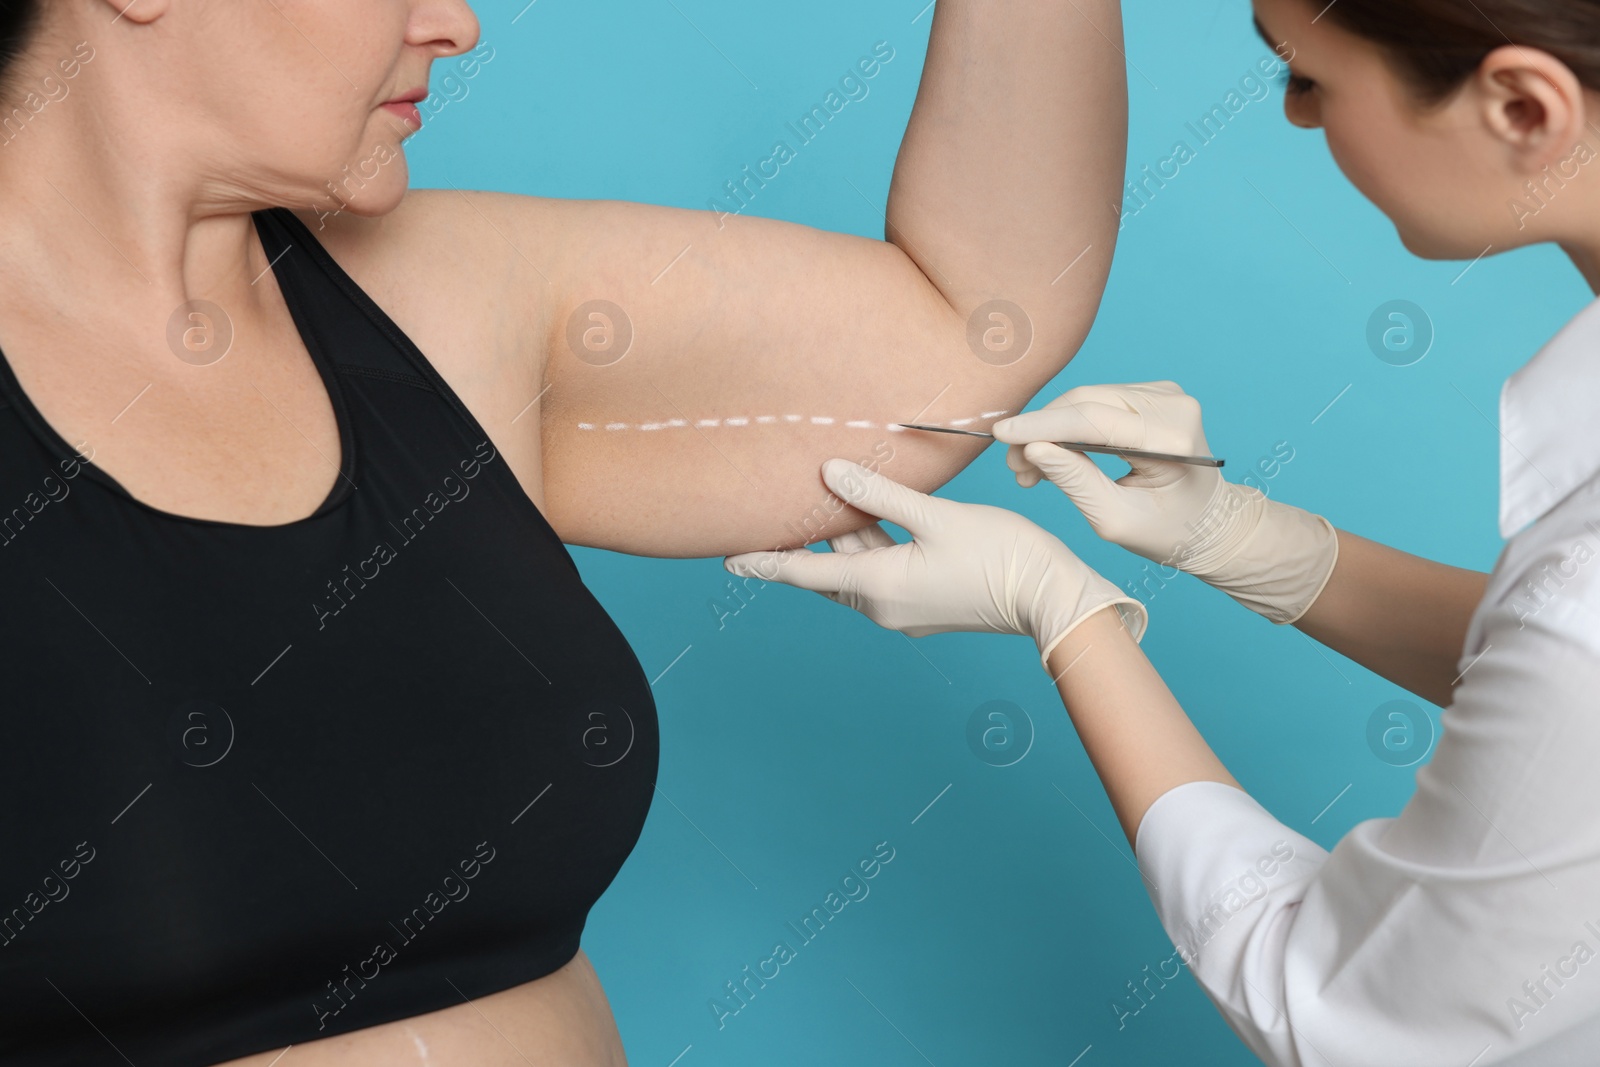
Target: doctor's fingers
(1027, 474)
(1128, 394)
(1090, 422)
(1124, 394)
(872, 536)
(1141, 397)
(1076, 475)
(877, 494)
(821, 572)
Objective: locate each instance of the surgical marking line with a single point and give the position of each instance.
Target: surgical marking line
(767, 420)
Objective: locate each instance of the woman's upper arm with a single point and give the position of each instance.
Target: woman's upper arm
(698, 370)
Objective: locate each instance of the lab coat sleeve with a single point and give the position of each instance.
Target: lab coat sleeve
(1227, 880)
(1465, 930)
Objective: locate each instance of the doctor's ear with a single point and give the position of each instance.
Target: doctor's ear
(1532, 103)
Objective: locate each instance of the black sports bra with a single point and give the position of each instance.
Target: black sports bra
(262, 785)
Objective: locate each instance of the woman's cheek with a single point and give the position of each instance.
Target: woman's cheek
(1367, 160)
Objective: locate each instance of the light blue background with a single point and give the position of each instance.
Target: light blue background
(799, 734)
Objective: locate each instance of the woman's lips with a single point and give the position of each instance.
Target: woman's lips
(406, 112)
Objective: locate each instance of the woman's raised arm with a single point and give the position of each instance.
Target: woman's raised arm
(756, 348)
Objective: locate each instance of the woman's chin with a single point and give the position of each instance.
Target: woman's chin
(1442, 247)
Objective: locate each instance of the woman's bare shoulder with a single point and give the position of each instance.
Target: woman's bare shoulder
(444, 259)
(445, 266)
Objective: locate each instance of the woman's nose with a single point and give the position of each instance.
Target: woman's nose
(1303, 111)
(450, 26)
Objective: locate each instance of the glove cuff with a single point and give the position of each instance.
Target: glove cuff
(1098, 595)
(1283, 566)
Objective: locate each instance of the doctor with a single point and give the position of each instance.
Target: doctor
(1466, 929)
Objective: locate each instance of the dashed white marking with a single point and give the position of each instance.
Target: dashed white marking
(421, 1046)
(814, 420)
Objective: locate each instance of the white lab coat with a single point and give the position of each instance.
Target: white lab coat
(1465, 930)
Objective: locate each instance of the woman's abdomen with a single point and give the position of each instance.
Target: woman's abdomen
(562, 1018)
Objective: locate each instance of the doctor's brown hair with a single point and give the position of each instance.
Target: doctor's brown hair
(1436, 44)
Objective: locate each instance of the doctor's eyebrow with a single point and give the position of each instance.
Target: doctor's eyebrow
(1262, 30)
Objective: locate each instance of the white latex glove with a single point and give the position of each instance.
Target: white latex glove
(1273, 558)
(969, 567)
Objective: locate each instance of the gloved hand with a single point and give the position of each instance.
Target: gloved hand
(969, 567)
(1271, 557)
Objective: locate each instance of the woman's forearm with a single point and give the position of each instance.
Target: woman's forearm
(1137, 736)
(1013, 161)
(1396, 614)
